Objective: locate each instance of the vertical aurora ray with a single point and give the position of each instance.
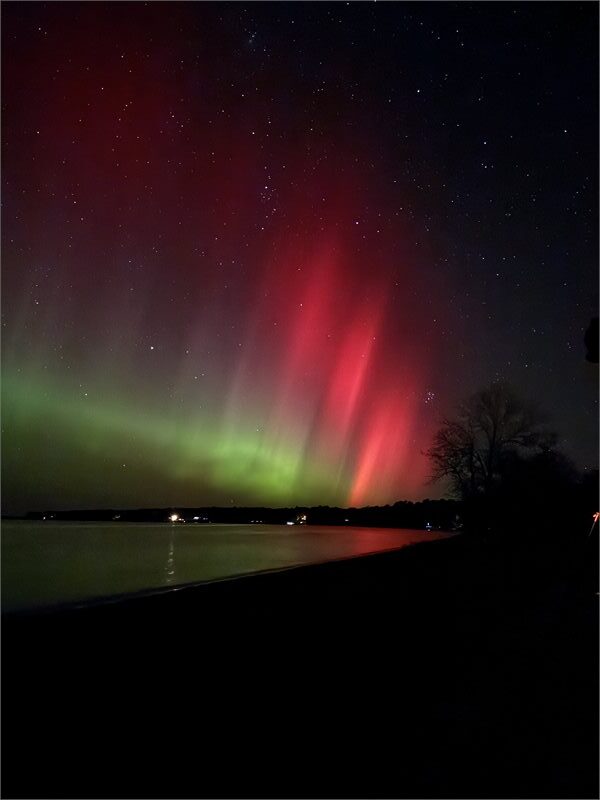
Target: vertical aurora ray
(197, 316)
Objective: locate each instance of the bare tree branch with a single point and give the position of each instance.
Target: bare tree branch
(470, 447)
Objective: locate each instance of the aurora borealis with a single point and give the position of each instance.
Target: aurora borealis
(251, 254)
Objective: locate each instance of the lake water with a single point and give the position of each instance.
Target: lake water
(47, 563)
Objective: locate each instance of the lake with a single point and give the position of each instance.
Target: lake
(50, 563)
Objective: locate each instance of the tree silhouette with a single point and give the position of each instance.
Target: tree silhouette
(490, 426)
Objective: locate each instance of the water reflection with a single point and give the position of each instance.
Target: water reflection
(170, 565)
(44, 563)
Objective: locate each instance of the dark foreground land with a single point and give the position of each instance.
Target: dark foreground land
(459, 668)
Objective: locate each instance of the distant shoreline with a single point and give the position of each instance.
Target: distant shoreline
(424, 514)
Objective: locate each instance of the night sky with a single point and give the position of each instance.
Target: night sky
(253, 253)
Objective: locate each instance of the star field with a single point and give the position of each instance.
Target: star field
(253, 253)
